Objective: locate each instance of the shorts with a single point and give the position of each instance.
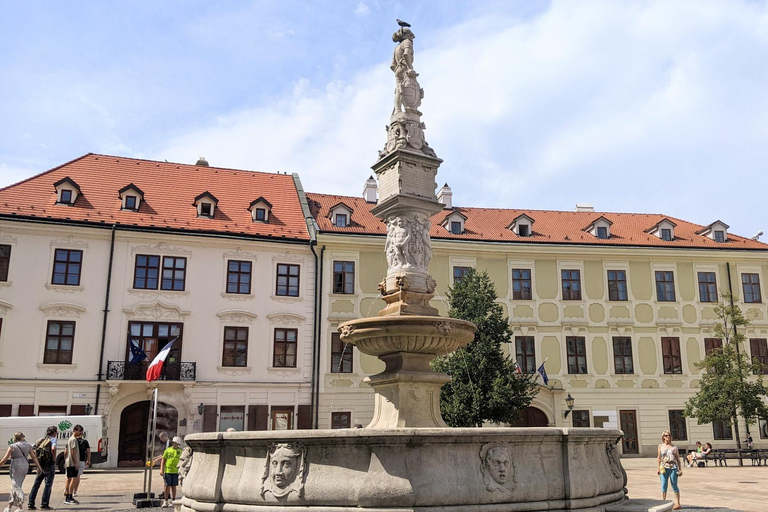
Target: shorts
(171, 479)
(72, 471)
(81, 468)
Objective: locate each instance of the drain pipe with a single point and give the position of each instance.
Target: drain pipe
(318, 316)
(104, 322)
(312, 401)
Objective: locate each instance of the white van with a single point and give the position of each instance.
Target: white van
(34, 427)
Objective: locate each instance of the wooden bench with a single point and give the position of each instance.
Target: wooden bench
(758, 457)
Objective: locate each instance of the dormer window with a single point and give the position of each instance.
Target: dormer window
(260, 209)
(205, 204)
(454, 223)
(602, 232)
(340, 215)
(717, 231)
(665, 230)
(340, 220)
(66, 191)
(600, 228)
(522, 225)
(131, 196)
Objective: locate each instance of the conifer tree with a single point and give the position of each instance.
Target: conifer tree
(484, 385)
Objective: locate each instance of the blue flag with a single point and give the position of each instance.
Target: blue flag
(137, 353)
(543, 373)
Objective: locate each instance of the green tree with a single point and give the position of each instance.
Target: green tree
(484, 385)
(732, 384)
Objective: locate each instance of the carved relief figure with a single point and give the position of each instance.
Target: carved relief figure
(185, 462)
(424, 242)
(497, 468)
(285, 470)
(398, 237)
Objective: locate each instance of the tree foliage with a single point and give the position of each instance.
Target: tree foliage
(484, 385)
(732, 384)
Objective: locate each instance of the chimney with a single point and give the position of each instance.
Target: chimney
(584, 207)
(369, 190)
(445, 196)
(201, 162)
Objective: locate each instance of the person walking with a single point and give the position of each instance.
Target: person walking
(72, 463)
(169, 470)
(84, 450)
(668, 460)
(18, 453)
(45, 449)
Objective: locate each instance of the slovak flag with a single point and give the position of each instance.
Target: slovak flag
(153, 372)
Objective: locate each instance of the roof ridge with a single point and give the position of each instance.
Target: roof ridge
(181, 163)
(45, 172)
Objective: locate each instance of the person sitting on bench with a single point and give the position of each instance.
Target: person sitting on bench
(700, 454)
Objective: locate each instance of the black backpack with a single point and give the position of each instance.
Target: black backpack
(43, 451)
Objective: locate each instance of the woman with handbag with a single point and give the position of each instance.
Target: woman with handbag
(668, 459)
(18, 453)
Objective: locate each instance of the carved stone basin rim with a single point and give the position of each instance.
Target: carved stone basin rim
(416, 334)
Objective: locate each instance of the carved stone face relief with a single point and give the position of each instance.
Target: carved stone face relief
(497, 467)
(285, 470)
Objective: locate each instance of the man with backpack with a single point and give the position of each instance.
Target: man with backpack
(45, 450)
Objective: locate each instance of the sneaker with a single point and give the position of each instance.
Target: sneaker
(74, 494)
(31, 507)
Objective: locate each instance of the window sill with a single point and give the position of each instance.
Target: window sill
(4, 284)
(233, 370)
(343, 295)
(64, 288)
(148, 293)
(287, 298)
(238, 296)
(283, 370)
(57, 368)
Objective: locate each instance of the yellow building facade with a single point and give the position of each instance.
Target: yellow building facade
(619, 325)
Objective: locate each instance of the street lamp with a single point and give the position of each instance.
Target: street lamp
(201, 408)
(569, 403)
(88, 409)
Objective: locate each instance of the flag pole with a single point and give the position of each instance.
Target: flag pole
(152, 440)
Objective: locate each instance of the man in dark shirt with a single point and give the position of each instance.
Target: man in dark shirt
(85, 461)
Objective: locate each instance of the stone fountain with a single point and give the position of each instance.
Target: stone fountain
(406, 459)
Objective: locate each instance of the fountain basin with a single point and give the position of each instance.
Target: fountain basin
(426, 470)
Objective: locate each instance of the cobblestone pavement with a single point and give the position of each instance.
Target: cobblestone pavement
(712, 489)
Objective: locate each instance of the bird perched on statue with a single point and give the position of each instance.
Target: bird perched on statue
(403, 23)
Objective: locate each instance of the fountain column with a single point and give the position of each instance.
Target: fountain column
(408, 333)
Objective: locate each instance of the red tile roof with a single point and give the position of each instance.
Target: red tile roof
(169, 191)
(490, 224)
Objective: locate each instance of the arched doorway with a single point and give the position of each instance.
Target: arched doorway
(532, 417)
(134, 421)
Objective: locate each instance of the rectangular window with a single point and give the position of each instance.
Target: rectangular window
(235, 346)
(751, 284)
(617, 285)
(341, 420)
(577, 354)
(60, 337)
(66, 267)
(622, 355)
(571, 284)
(341, 355)
(707, 287)
(523, 230)
(719, 236)
(340, 220)
(206, 210)
(239, 277)
(5, 262)
(152, 337)
(344, 277)
(602, 232)
(712, 344)
(721, 430)
(130, 202)
(231, 416)
(261, 214)
(455, 227)
(146, 273)
(525, 352)
(666, 234)
(670, 354)
(677, 426)
(285, 348)
(66, 196)
(174, 273)
(521, 284)
(287, 280)
(580, 418)
(665, 286)
(282, 418)
(459, 273)
(759, 350)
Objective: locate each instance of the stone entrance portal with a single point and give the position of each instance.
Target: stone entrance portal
(134, 419)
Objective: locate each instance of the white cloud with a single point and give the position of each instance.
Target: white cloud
(362, 9)
(649, 106)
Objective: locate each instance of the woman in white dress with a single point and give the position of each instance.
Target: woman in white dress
(18, 452)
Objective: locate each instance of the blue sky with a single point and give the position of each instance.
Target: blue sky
(638, 106)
